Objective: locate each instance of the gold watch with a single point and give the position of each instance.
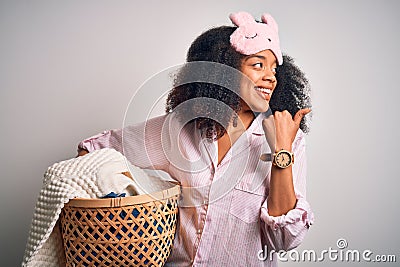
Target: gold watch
(283, 158)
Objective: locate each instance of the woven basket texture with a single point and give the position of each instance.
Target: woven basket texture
(130, 231)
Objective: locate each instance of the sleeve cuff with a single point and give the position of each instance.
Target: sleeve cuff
(88, 145)
(300, 214)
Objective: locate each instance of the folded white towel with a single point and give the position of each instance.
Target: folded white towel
(90, 176)
(110, 178)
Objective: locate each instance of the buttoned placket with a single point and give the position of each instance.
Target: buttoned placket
(204, 207)
(211, 151)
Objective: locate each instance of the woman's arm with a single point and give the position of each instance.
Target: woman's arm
(286, 215)
(142, 144)
(282, 196)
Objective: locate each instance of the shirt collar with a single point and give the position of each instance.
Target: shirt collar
(256, 126)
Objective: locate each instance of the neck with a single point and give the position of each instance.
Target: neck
(233, 133)
(245, 118)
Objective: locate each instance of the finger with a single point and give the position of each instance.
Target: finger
(283, 113)
(300, 114)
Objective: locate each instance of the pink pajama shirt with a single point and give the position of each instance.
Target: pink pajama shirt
(223, 214)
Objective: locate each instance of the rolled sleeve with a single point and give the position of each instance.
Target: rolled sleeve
(287, 231)
(301, 215)
(106, 139)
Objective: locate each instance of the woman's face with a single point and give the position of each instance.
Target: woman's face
(260, 68)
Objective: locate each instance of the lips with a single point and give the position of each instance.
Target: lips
(266, 92)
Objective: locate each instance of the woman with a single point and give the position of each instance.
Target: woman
(216, 128)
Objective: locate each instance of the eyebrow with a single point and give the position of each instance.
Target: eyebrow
(258, 56)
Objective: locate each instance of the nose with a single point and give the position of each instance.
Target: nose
(269, 76)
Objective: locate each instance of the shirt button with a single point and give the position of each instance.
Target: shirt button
(205, 202)
(199, 231)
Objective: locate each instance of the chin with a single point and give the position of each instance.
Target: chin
(260, 108)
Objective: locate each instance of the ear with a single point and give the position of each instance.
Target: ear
(268, 19)
(241, 18)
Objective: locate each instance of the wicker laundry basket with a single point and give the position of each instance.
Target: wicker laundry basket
(128, 231)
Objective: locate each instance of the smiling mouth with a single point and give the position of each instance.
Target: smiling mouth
(264, 90)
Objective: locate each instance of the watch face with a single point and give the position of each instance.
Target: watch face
(283, 159)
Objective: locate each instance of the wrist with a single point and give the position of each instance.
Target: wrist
(283, 143)
(283, 146)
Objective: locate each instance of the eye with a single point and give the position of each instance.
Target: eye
(258, 65)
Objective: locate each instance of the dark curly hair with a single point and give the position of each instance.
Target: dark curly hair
(209, 94)
(292, 92)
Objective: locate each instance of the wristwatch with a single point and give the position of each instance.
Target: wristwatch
(283, 158)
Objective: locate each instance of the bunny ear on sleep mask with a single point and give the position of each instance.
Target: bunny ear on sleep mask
(252, 37)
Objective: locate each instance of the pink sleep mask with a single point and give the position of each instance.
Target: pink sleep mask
(252, 37)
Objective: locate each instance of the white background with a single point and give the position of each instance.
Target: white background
(69, 68)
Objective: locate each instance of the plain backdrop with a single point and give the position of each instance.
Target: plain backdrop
(68, 70)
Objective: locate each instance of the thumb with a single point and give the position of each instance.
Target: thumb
(300, 114)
